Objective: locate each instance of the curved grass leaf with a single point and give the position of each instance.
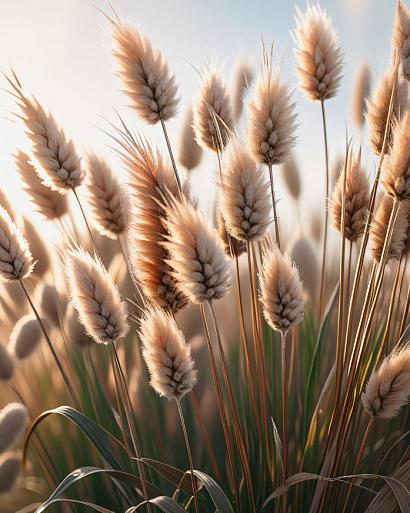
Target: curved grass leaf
(215, 492)
(106, 444)
(164, 503)
(95, 507)
(173, 475)
(399, 490)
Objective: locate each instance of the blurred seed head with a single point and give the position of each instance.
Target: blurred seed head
(189, 151)
(291, 178)
(7, 366)
(10, 471)
(361, 93)
(242, 82)
(25, 337)
(401, 37)
(13, 422)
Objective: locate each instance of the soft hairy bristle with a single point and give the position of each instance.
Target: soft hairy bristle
(7, 366)
(396, 165)
(356, 197)
(25, 337)
(361, 93)
(5, 202)
(242, 81)
(319, 58)
(212, 113)
(16, 261)
(13, 423)
(291, 177)
(145, 75)
(232, 246)
(245, 195)
(401, 37)
(55, 155)
(167, 355)
(10, 470)
(378, 109)
(271, 118)
(388, 388)
(150, 180)
(196, 254)
(378, 230)
(281, 291)
(104, 197)
(189, 151)
(96, 298)
(47, 202)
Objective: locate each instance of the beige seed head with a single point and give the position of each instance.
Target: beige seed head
(316, 226)
(167, 355)
(104, 197)
(150, 180)
(319, 58)
(7, 365)
(10, 470)
(48, 301)
(38, 248)
(378, 230)
(57, 159)
(25, 337)
(281, 291)
(401, 37)
(388, 388)
(13, 422)
(16, 261)
(378, 109)
(233, 247)
(5, 202)
(189, 151)
(196, 254)
(47, 202)
(291, 177)
(242, 82)
(271, 118)
(145, 75)
(396, 165)
(212, 113)
(356, 196)
(245, 198)
(96, 298)
(360, 95)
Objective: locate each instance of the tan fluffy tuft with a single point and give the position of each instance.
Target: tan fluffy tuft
(281, 291)
(25, 337)
(388, 388)
(196, 254)
(167, 355)
(360, 95)
(233, 247)
(145, 75)
(291, 178)
(245, 199)
(189, 151)
(96, 298)
(242, 82)
(401, 37)
(7, 365)
(11, 466)
(13, 422)
(319, 58)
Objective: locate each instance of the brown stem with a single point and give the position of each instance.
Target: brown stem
(275, 214)
(284, 414)
(52, 350)
(188, 450)
(174, 166)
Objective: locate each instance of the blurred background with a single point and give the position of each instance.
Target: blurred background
(61, 51)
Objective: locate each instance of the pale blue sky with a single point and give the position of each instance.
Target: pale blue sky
(61, 51)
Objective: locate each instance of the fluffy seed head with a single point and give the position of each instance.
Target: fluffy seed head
(16, 261)
(281, 291)
(10, 470)
(38, 248)
(96, 298)
(145, 75)
(401, 37)
(13, 423)
(167, 355)
(196, 254)
(388, 388)
(378, 109)
(271, 118)
(47, 202)
(150, 180)
(189, 151)
(57, 160)
(212, 113)
(291, 177)
(242, 82)
(396, 165)
(7, 365)
(360, 94)
(25, 337)
(319, 58)
(231, 245)
(356, 199)
(48, 300)
(245, 199)
(76, 332)
(378, 230)
(104, 197)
